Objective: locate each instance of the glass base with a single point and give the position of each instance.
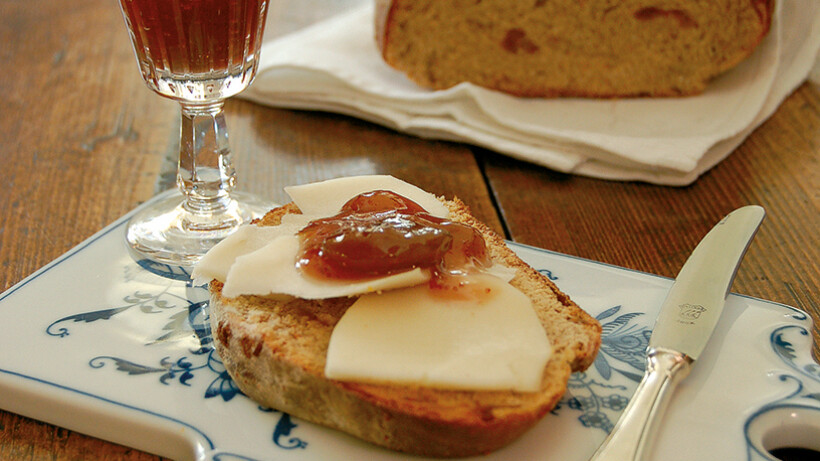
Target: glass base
(166, 233)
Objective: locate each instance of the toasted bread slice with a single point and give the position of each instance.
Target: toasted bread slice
(275, 349)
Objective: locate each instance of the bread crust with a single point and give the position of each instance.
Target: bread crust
(591, 48)
(274, 348)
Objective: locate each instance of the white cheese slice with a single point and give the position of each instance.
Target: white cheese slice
(272, 270)
(412, 336)
(219, 259)
(326, 198)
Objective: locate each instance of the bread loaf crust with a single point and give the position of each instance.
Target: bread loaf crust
(274, 348)
(591, 48)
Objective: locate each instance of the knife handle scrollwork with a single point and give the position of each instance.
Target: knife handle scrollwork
(630, 439)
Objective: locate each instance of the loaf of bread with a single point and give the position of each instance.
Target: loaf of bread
(275, 350)
(589, 48)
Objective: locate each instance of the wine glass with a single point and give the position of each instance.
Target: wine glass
(197, 52)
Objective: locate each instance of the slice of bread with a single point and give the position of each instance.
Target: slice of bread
(591, 48)
(275, 348)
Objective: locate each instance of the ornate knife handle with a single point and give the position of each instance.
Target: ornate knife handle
(630, 439)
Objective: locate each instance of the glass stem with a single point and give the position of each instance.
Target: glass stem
(205, 174)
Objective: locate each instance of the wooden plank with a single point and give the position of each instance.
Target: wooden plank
(81, 132)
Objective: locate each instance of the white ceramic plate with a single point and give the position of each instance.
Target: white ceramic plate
(101, 344)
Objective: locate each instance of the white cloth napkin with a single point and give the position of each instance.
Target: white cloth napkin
(334, 65)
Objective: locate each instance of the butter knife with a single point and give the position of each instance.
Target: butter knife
(687, 319)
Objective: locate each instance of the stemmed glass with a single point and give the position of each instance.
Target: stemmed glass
(197, 52)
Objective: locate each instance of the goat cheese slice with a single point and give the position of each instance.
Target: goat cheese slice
(414, 336)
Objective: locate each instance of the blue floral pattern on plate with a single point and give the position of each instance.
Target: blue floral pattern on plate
(187, 318)
(623, 346)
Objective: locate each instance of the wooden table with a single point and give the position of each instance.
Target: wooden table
(82, 141)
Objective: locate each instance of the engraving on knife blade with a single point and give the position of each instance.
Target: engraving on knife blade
(689, 313)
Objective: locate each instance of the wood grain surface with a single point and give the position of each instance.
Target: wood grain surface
(83, 141)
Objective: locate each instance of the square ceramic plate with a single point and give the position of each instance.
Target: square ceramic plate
(121, 349)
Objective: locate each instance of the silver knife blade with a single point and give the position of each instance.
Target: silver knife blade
(695, 301)
(687, 319)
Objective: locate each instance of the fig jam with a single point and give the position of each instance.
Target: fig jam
(381, 233)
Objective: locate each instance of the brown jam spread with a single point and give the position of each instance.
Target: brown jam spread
(381, 233)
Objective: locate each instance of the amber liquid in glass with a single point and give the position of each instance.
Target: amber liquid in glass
(196, 49)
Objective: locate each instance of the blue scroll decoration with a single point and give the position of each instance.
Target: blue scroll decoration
(804, 398)
(548, 274)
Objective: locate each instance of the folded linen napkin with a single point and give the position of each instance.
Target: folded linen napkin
(334, 65)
